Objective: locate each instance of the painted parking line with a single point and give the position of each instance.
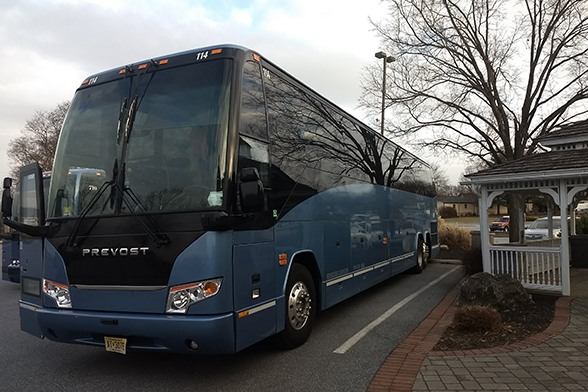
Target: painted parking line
(342, 349)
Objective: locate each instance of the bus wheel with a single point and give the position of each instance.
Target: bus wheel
(421, 258)
(300, 308)
(426, 254)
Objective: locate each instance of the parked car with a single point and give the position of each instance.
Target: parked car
(538, 230)
(500, 224)
(581, 208)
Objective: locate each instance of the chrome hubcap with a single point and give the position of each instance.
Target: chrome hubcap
(299, 305)
(425, 253)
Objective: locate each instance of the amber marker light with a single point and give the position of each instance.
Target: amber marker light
(142, 66)
(188, 286)
(255, 57)
(216, 51)
(210, 288)
(122, 71)
(385, 240)
(164, 62)
(62, 286)
(283, 259)
(85, 81)
(243, 314)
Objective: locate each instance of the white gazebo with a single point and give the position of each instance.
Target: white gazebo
(560, 173)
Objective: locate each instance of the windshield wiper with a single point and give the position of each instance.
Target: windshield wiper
(120, 174)
(159, 238)
(74, 232)
(121, 114)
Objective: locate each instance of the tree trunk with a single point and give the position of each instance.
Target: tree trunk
(515, 204)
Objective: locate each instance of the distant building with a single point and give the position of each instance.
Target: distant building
(465, 205)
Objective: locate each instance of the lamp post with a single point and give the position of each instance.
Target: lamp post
(387, 59)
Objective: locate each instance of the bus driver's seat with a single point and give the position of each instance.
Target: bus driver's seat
(147, 175)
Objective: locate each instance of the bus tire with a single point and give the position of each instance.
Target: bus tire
(421, 257)
(301, 306)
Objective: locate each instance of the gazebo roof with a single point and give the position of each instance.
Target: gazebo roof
(567, 159)
(577, 131)
(572, 163)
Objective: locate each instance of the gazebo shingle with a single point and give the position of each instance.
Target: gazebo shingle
(576, 129)
(553, 160)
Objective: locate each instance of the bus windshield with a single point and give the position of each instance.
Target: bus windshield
(176, 153)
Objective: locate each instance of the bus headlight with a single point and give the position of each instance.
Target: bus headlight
(180, 298)
(59, 292)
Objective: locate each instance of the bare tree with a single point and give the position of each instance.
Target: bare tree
(484, 78)
(38, 141)
(441, 180)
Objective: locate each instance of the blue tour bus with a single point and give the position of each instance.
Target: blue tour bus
(11, 245)
(10, 256)
(234, 202)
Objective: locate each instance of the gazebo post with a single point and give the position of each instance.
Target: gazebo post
(565, 251)
(521, 214)
(572, 221)
(484, 235)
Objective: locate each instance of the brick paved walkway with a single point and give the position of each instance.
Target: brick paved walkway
(553, 360)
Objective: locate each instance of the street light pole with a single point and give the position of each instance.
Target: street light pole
(387, 59)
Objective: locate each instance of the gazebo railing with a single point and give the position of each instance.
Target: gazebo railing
(536, 267)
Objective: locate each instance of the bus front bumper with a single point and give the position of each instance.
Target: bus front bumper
(190, 334)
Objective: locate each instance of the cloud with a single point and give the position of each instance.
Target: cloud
(242, 17)
(49, 47)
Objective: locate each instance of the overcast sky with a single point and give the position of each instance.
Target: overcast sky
(48, 47)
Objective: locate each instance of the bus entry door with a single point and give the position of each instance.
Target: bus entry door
(254, 288)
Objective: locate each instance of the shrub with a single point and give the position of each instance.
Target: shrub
(477, 318)
(454, 236)
(472, 262)
(531, 218)
(582, 224)
(448, 212)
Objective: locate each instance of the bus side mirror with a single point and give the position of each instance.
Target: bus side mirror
(32, 202)
(6, 198)
(251, 190)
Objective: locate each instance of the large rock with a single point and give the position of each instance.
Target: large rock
(501, 291)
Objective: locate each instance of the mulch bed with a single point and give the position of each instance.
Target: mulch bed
(518, 324)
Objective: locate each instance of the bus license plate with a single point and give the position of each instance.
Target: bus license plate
(116, 345)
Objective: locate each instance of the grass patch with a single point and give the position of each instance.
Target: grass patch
(462, 219)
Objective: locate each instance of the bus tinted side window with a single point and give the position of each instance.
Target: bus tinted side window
(291, 175)
(406, 172)
(253, 120)
(253, 146)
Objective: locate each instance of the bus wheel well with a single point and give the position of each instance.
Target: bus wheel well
(309, 262)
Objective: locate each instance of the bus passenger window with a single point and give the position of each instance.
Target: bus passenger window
(253, 121)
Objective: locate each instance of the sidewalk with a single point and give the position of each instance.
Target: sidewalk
(553, 360)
